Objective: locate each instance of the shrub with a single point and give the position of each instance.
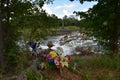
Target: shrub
(32, 75)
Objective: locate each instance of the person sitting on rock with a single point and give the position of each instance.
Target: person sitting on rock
(50, 45)
(48, 50)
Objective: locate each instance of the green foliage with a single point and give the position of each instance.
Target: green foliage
(102, 21)
(84, 76)
(11, 58)
(102, 77)
(18, 15)
(32, 75)
(102, 61)
(1, 76)
(82, 1)
(99, 67)
(24, 60)
(69, 21)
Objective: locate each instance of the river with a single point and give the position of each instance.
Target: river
(70, 42)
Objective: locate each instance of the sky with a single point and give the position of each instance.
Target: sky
(64, 7)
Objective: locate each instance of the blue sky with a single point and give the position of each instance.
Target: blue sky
(65, 7)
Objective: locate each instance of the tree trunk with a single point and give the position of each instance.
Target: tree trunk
(1, 40)
(1, 46)
(116, 25)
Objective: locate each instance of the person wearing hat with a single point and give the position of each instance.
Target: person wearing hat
(50, 45)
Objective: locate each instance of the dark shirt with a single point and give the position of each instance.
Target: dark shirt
(32, 45)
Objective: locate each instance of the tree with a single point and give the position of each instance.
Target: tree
(1, 45)
(1, 40)
(103, 22)
(70, 21)
(16, 13)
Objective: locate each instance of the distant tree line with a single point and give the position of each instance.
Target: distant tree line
(69, 21)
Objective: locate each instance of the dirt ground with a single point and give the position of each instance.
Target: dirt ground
(65, 74)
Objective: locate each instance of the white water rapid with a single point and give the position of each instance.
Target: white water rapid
(69, 42)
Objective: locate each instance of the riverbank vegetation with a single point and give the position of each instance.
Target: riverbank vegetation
(100, 67)
(97, 67)
(103, 23)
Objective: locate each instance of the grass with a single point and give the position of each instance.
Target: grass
(32, 75)
(69, 27)
(99, 67)
(102, 67)
(102, 61)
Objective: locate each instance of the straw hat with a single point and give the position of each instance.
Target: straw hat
(50, 44)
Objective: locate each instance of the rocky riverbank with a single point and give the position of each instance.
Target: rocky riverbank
(80, 43)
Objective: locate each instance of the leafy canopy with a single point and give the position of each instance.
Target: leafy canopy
(102, 21)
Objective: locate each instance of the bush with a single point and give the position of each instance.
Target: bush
(32, 75)
(24, 61)
(102, 61)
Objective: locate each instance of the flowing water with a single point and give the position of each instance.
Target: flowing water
(69, 42)
(56, 41)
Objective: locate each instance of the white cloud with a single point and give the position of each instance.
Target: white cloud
(58, 7)
(59, 15)
(61, 10)
(65, 12)
(64, 9)
(84, 10)
(65, 6)
(70, 6)
(48, 9)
